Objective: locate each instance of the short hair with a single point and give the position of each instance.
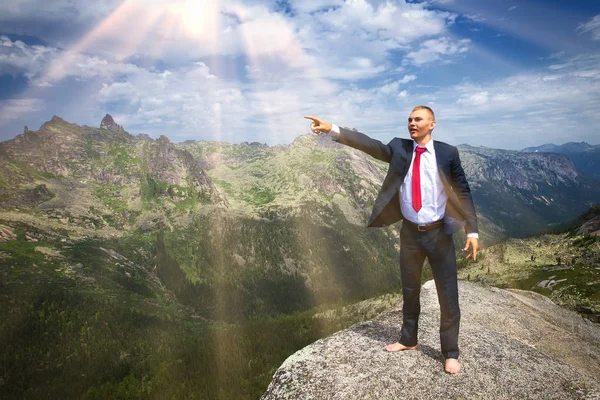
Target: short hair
(425, 108)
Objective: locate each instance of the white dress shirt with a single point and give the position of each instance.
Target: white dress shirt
(433, 195)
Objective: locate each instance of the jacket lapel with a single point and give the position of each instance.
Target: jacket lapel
(443, 163)
(408, 147)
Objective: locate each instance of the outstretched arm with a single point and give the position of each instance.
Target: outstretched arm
(358, 140)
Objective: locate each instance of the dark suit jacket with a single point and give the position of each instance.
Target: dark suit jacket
(398, 153)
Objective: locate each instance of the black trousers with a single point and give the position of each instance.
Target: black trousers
(438, 247)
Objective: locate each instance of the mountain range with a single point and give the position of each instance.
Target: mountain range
(297, 211)
(141, 260)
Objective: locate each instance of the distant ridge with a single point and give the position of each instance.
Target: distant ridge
(585, 157)
(563, 148)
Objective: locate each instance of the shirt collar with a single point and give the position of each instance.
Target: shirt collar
(428, 146)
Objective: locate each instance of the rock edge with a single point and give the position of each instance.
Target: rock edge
(514, 344)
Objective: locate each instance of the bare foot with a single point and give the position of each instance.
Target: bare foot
(452, 366)
(394, 347)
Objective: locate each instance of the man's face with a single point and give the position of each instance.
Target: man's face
(420, 124)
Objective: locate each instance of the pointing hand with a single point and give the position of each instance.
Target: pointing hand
(318, 125)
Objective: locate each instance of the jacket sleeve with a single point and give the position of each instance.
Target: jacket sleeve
(463, 192)
(362, 142)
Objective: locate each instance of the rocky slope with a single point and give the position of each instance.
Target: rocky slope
(97, 177)
(524, 193)
(514, 345)
(564, 266)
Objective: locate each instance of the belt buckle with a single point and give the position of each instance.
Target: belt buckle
(422, 228)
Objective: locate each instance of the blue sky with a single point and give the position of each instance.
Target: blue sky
(503, 74)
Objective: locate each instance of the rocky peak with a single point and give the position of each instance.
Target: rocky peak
(109, 123)
(55, 120)
(514, 344)
(56, 126)
(164, 139)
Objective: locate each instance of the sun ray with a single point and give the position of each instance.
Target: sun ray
(268, 102)
(120, 16)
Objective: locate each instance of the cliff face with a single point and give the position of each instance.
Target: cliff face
(523, 193)
(514, 345)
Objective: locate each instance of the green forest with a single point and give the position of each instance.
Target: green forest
(173, 314)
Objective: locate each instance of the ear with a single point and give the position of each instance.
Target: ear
(432, 125)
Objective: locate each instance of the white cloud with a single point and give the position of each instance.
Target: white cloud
(543, 105)
(355, 68)
(434, 49)
(336, 37)
(555, 67)
(336, 59)
(520, 110)
(408, 78)
(587, 73)
(512, 8)
(390, 88)
(57, 9)
(340, 33)
(118, 91)
(309, 6)
(57, 22)
(474, 18)
(45, 65)
(592, 27)
(475, 99)
(400, 22)
(173, 29)
(16, 57)
(13, 109)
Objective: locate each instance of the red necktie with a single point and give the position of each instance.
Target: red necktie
(416, 179)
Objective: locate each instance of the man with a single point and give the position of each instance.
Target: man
(426, 187)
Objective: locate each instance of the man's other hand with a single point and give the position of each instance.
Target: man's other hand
(474, 244)
(318, 125)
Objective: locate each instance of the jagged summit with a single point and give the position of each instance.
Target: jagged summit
(109, 123)
(56, 119)
(55, 125)
(164, 139)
